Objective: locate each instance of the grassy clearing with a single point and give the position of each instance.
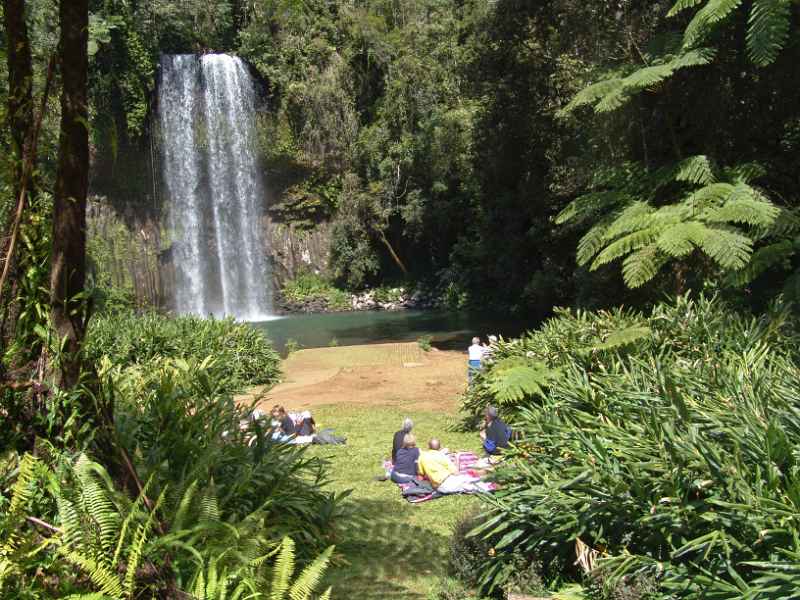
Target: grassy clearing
(386, 547)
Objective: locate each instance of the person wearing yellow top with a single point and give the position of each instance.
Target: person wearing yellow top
(442, 473)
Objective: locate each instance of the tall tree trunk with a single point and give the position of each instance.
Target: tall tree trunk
(68, 268)
(20, 84)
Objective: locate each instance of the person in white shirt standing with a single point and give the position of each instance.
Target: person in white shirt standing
(476, 353)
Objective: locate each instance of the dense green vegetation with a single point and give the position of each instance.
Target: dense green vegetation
(655, 452)
(242, 356)
(448, 141)
(512, 154)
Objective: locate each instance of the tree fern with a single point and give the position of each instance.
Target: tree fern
(768, 29)
(610, 94)
(706, 19)
(721, 219)
(512, 380)
(696, 169)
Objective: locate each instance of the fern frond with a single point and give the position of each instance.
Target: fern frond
(137, 547)
(696, 169)
(768, 30)
(706, 19)
(745, 205)
(103, 577)
(763, 259)
(592, 93)
(326, 595)
(592, 242)
(641, 266)
(636, 216)
(199, 587)
(729, 249)
(677, 241)
(625, 245)
(23, 490)
(209, 508)
(133, 513)
(512, 380)
(709, 196)
(682, 5)
(184, 505)
(306, 584)
(284, 567)
(650, 76)
(588, 205)
(744, 172)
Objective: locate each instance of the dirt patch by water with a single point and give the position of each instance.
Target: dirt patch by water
(377, 374)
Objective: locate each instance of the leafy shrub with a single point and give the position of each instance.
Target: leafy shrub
(468, 553)
(242, 354)
(672, 458)
(424, 342)
(291, 345)
(386, 294)
(310, 287)
(183, 427)
(125, 549)
(212, 499)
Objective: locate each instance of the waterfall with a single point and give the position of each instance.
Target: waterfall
(215, 194)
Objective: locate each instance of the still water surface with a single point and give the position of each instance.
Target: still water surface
(449, 330)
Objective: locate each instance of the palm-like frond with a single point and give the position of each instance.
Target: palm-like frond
(768, 29)
(513, 380)
(721, 219)
(706, 19)
(308, 581)
(283, 570)
(641, 266)
(696, 169)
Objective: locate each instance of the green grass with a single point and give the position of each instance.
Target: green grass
(386, 547)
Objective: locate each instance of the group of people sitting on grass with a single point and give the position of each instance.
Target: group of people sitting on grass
(434, 464)
(292, 428)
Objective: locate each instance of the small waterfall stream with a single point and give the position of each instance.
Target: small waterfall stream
(215, 194)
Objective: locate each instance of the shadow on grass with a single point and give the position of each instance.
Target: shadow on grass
(381, 556)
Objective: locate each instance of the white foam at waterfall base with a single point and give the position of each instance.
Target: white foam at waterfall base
(214, 188)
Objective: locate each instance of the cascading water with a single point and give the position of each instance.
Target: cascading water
(214, 187)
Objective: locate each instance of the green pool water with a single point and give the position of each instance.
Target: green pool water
(449, 330)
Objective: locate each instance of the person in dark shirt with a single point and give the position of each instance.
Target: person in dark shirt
(397, 441)
(495, 434)
(405, 464)
(282, 422)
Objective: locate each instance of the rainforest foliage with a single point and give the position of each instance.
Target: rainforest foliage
(515, 153)
(655, 453)
(475, 143)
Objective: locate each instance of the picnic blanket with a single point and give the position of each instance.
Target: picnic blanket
(465, 462)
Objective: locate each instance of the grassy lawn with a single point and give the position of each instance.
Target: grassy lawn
(386, 547)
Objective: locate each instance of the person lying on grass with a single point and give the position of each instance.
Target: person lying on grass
(405, 462)
(443, 474)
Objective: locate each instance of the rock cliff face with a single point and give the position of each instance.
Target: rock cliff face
(293, 250)
(133, 251)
